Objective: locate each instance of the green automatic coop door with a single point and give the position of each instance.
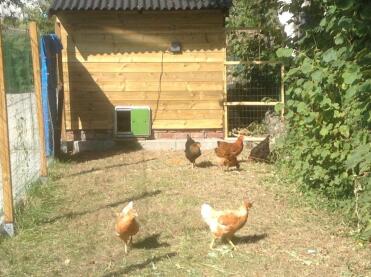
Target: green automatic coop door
(132, 121)
(140, 118)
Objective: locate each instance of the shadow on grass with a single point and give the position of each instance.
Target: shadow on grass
(205, 164)
(103, 168)
(120, 147)
(232, 170)
(74, 214)
(249, 239)
(150, 242)
(141, 265)
(3, 234)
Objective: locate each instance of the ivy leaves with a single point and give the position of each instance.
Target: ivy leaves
(344, 4)
(330, 55)
(284, 52)
(359, 159)
(351, 74)
(329, 103)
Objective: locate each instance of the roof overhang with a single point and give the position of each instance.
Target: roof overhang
(137, 5)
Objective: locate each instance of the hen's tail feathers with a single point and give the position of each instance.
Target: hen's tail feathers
(248, 204)
(207, 213)
(128, 207)
(190, 139)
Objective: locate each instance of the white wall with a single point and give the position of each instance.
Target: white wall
(24, 145)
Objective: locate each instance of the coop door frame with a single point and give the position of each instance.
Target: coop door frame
(250, 103)
(134, 130)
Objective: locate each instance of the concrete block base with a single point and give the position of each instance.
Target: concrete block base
(7, 229)
(175, 144)
(75, 147)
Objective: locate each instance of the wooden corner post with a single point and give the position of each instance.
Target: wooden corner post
(282, 89)
(34, 39)
(61, 127)
(5, 151)
(225, 90)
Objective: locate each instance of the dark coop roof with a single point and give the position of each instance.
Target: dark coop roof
(136, 5)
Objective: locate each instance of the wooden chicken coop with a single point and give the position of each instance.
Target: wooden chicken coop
(142, 68)
(156, 69)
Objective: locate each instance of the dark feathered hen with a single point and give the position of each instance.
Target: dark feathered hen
(192, 150)
(261, 152)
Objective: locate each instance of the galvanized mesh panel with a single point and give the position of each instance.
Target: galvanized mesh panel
(253, 82)
(21, 107)
(17, 60)
(246, 85)
(249, 120)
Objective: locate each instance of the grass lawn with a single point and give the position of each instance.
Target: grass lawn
(66, 227)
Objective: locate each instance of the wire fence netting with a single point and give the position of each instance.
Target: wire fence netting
(255, 83)
(21, 107)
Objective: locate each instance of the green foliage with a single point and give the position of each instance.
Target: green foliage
(8, 6)
(328, 143)
(17, 61)
(16, 42)
(284, 52)
(39, 14)
(258, 15)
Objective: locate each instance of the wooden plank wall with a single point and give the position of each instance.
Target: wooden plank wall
(113, 58)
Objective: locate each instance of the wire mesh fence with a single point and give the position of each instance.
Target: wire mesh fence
(253, 88)
(249, 120)
(253, 82)
(23, 140)
(21, 108)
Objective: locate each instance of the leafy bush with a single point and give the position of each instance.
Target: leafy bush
(17, 61)
(258, 15)
(328, 143)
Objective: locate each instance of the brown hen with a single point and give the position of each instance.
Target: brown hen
(228, 152)
(126, 225)
(224, 224)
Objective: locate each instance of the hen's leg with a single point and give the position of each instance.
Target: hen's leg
(212, 243)
(125, 247)
(231, 243)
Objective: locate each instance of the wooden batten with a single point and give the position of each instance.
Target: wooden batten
(34, 38)
(282, 91)
(186, 57)
(210, 76)
(61, 127)
(124, 59)
(5, 148)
